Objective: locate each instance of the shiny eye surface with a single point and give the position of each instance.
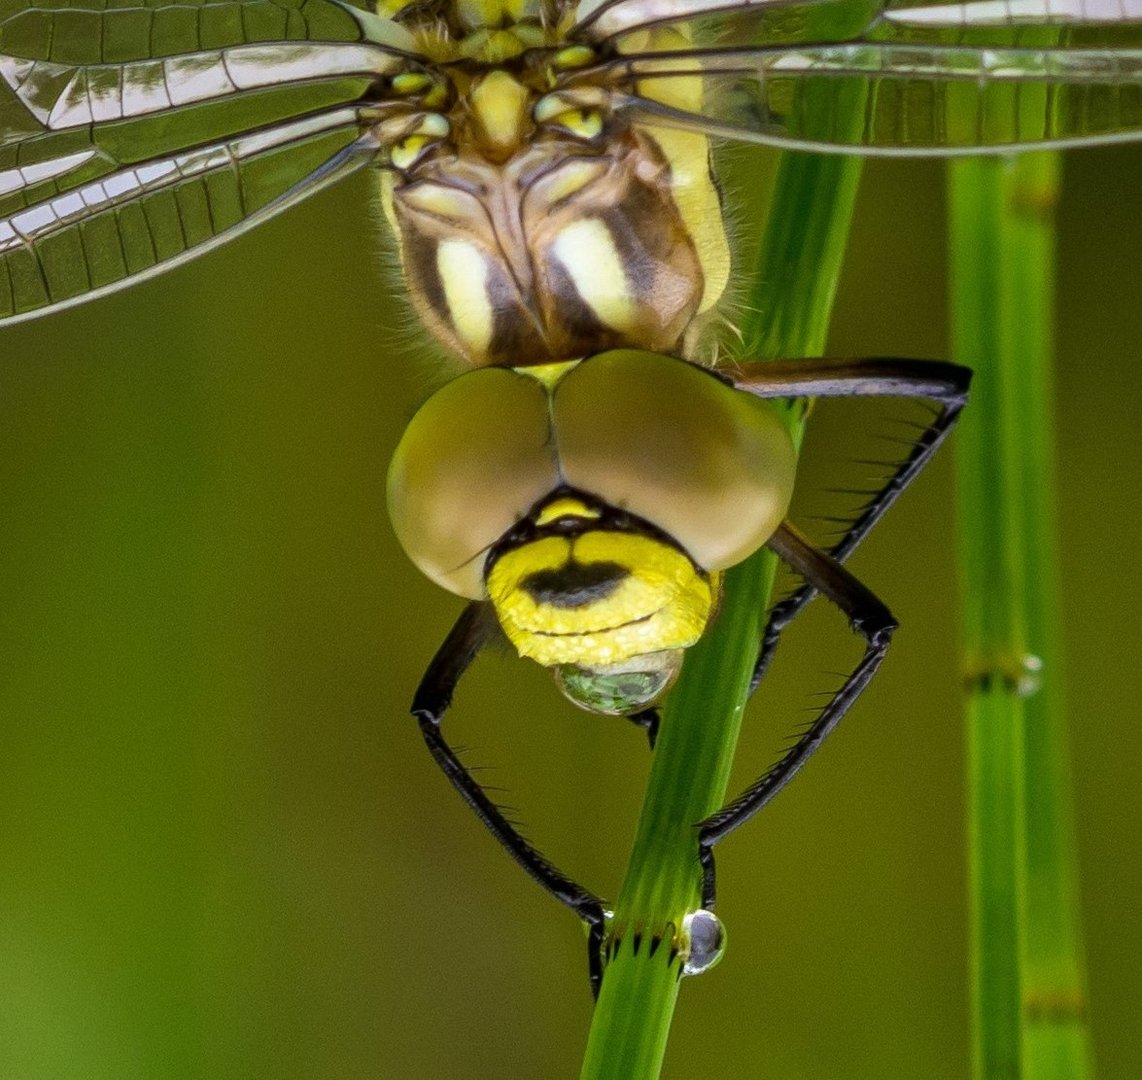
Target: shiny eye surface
(709, 465)
(474, 460)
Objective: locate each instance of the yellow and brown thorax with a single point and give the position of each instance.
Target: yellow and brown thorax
(533, 222)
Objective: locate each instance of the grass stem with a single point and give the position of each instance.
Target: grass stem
(802, 248)
(1027, 967)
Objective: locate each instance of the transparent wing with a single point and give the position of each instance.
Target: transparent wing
(601, 20)
(66, 67)
(607, 20)
(132, 137)
(888, 78)
(136, 220)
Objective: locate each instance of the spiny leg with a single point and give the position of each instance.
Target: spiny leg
(473, 630)
(938, 381)
(648, 720)
(872, 620)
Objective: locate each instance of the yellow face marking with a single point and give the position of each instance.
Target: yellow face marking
(588, 253)
(464, 276)
(601, 598)
(566, 507)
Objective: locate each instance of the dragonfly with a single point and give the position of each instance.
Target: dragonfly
(545, 169)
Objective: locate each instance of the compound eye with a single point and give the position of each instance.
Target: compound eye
(711, 466)
(620, 689)
(473, 461)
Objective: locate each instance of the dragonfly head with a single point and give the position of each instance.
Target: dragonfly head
(594, 504)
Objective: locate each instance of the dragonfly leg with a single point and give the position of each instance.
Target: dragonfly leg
(472, 631)
(872, 620)
(940, 382)
(648, 720)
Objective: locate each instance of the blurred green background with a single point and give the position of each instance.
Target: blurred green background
(224, 851)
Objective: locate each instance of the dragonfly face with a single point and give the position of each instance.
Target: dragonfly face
(508, 483)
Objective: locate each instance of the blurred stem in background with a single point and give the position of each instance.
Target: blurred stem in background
(1028, 989)
(802, 248)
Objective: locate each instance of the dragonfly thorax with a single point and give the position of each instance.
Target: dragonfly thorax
(484, 28)
(536, 222)
(557, 253)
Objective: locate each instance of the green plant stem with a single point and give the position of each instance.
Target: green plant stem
(802, 248)
(1056, 1041)
(1027, 981)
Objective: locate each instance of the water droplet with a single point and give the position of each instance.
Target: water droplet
(619, 689)
(1030, 678)
(703, 941)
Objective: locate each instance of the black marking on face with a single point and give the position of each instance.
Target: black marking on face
(575, 585)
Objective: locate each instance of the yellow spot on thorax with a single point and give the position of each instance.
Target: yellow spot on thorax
(691, 184)
(499, 109)
(476, 14)
(463, 274)
(588, 253)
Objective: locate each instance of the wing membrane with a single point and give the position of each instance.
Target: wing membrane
(602, 20)
(110, 32)
(60, 96)
(133, 136)
(137, 220)
(919, 79)
(68, 67)
(1009, 13)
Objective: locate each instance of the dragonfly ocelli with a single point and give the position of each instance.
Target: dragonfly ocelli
(545, 168)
